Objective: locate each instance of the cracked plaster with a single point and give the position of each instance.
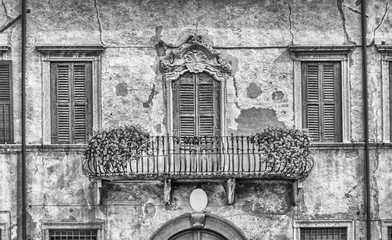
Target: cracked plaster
(57, 182)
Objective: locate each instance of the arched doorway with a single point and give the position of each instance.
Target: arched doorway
(198, 226)
(198, 234)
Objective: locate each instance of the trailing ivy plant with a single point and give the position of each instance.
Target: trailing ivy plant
(111, 149)
(286, 149)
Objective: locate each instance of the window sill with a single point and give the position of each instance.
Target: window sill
(355, 145)
(336, 145)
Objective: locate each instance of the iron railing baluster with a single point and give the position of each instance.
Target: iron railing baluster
(206, 155)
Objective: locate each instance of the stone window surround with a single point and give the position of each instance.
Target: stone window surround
(348, 224)
(5, 221)
(70, 54)
(73, 226)
(385, 224)
(323, 54)
(386, 58)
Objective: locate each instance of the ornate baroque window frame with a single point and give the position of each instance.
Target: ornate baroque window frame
(194, 56)
(348, 224)
(323, 54)
(70, 54)
(386, 58)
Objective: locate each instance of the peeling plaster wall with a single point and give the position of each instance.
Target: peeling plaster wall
(254, 35)
(258, 207)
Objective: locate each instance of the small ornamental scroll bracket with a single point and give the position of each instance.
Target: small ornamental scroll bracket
(194, 56)
(198, 220)
(167, 190)
(230, 191)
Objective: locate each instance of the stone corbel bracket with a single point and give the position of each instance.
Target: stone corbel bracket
(230, 191)
(194, 56)
(167, 190)
(297, 192)
(98, 194)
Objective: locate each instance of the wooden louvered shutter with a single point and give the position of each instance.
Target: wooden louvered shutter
(208, 106)
(82, 102)
(184, 99)
(196, 106)
(71, 102)
(6, 131)
(390, 98)
(322, 101)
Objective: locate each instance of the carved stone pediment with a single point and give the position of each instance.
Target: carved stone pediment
(194, 56)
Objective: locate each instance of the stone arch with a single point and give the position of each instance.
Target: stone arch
(196, 221)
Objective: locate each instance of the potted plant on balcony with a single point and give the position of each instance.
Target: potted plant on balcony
(111, 150)
(287, 151)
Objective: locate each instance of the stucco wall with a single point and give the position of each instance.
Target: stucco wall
(254, 36)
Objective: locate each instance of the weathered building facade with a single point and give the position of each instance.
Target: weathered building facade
(238, 67)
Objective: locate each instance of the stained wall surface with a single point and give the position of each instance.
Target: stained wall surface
(255, 36)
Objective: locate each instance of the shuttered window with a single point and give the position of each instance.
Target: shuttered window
(323, 234)
(390, 97)
(71, 102)
(6, 116)
(322, 113)
(196, 106)
(389, 233)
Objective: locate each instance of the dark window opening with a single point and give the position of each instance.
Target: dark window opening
(71, 234)
(323, 233)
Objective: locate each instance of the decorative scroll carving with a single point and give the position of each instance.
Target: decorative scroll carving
(194, 56)
(195, 61)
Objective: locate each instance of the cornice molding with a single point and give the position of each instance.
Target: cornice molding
(92, 50)
(4, 48)
(321, 50)
(384, 48)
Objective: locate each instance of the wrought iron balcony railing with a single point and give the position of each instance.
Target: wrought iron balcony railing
(204, 157)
